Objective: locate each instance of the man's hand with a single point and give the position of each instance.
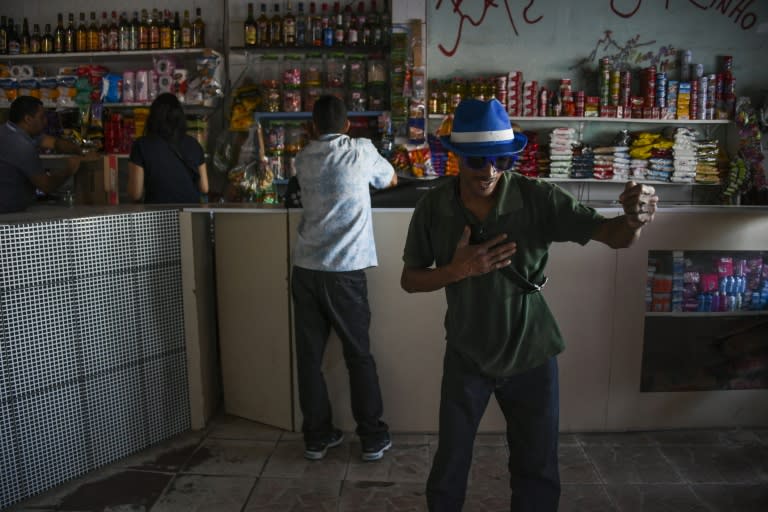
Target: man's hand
(478, 259)
(639, 202)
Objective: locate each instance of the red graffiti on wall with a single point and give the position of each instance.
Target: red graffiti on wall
(476, 22)
(735, 10)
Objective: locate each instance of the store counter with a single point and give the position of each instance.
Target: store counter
(597, 294)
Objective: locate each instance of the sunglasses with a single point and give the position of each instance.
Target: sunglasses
(478, 163)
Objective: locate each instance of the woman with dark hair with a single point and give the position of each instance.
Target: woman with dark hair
(167, 165)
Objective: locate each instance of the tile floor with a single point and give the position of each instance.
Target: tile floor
(241, 466)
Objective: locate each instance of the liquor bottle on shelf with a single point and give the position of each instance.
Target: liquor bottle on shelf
(249, 29)
(46, 43)
(113, 37)
(262, 28)
(58, 35)
(81, 36)
(104, 33)
(338, 27)
(347, 21)
(166, 31)
(374, 25)
(176, 31)
(289, 26)
(198, 30)
(386, 25)
(24, 38)
(186, 31)
(353, 34)
(144, 31)
(363, 30)
(124, 33)
(134, 32)
(70, 35)
(314, 27)
(301, 25)
(14, 44)
(327, 24)
(93, 34)
(35, 41)
(276, 28)
(154, 30)
(3, 36)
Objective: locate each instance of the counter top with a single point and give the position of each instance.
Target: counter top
(44, 213)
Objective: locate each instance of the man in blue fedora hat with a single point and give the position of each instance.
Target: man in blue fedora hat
(484, 237)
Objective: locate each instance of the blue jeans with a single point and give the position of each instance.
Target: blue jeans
(530, 403)
(340, 300)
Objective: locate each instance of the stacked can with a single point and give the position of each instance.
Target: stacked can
(625, 89)
(514, 93)
(703, 98)
(501, 89)
(544, 102)
(711, 97)
(685, 66)
(605, 82)
(530, 98)
(615, 87)
(648, 87)
(694, 113)
(661, 90)
(580, 99)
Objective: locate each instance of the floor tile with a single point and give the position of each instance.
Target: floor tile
(204, 492)
(487, 496)
(128, 488)
(699, 437)
(382, 497)
(585, 498)
(575, 467)
(400, 464)
(733, 498)
(229, 457)
(713, 463)
(615, 439)
(411, 439)
(762, 434)
(489, 463)
(656, 498)
(568, 440)
(52, 497)
(632, 464)
(234, 427)
(287, 461)
(289, 495)
(167, 456)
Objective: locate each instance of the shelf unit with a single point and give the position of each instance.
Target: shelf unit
(94, 55)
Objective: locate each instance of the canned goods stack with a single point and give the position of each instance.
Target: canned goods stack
(501, 91)
(625, 90)
(605, 84)
(530, 99)
(661, 90)
(515, 93)
(648, 87)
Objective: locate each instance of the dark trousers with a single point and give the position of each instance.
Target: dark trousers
(530, 403)
(340, 300)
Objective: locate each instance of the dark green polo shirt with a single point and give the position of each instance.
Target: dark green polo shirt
(491, 319)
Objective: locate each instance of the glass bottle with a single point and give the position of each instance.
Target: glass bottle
(104, 32)
(24, 38)
(276, 28)
(327, 25)
(58, 35)
(46, 43)
(374, 25)
(134, 31)
(113, 37)
(186, 31)
(144, 31)
(249, 29)
(154, 30)
(124, 33)
(35, 41)
(338, 28)
(385, 20)
(176, 31)
(81, 36)
(14, 44)
(314, 27)
(363, 30)
(301, 25)
(70, 35)
(353, 35)
(262, 28)
(289, 26)
(93, 34)
(3, 36)
(166, 30)
(198, 30)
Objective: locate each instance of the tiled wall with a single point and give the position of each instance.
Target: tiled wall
(92, 358)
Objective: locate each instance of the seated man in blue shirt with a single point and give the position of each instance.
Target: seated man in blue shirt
(334, 246)
(21, 170)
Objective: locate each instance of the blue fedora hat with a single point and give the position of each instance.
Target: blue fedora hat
(482, 128)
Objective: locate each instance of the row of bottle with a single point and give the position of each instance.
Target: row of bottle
(155, 31)
(342, 28)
